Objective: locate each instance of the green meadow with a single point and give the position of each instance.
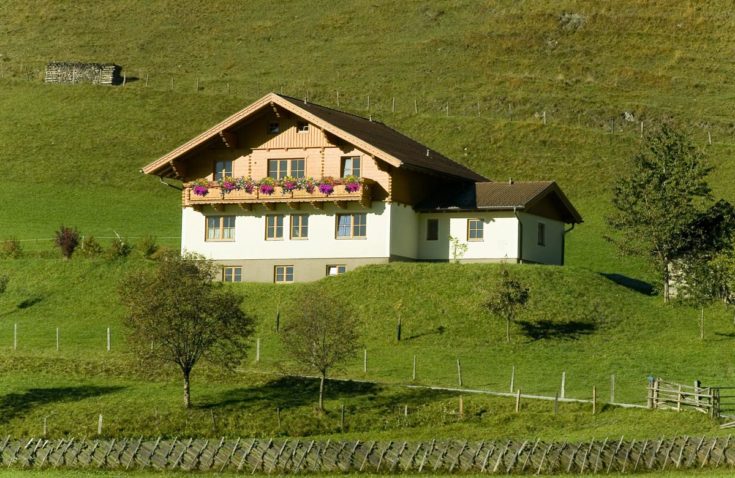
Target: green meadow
(473, 80)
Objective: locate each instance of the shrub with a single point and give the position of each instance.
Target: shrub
(67, 240)
(90, 247)
(11, 248)
(119, 249)
(148, 246)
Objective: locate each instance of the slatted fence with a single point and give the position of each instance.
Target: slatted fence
(309, 456)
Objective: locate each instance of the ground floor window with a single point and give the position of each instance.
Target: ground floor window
(432, 229)
(541, 234)
(337, 269)
(232, 274)
(299, 226)
(274, 227)
(220, 228)
(283, 274)
(351, 226)
(475, 230)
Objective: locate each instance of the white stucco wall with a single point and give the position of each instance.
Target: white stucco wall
(551, 252)
(500, 236)
(404, 231)
(250, 242)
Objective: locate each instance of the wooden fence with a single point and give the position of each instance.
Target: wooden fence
(309, 456)
(710, 400)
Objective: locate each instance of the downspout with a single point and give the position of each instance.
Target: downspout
(564, 242)
(520, 235)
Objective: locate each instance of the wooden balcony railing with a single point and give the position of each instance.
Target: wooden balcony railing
(218, 198)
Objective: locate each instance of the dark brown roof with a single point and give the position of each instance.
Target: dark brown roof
(403, 148)
(538, 197)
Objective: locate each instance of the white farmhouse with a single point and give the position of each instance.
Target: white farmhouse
(286, 191)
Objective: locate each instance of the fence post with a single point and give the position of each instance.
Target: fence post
(556, 403)
(57, 339)
(257, 350)
(413, 375)
(612, 388)
(108, 339)
(459, 373)
(518, 400)
(512, 378)
(678, 399)
(15, 336)
(99, 425)
(697, 391)
(562, 393)
(364, 360)
(594, 400)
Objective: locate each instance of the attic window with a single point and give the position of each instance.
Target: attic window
(274, 127)
(302, 127)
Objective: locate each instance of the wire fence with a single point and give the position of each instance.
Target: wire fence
(311, 456)
(631, 118)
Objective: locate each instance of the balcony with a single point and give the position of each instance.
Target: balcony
(217, 197)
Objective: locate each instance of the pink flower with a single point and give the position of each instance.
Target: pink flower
(267, 189)
(201, 190)
(326, 188)
(352, 187)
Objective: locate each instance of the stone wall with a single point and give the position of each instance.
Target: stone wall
(96, 73)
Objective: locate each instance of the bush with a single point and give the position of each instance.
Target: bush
(67, 240)
(11, 248)
(90, 247)
(148, 246)
(119, 249)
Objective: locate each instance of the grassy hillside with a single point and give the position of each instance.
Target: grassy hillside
(471, 79)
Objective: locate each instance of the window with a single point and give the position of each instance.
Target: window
(432, 229)
(351, 166)
(336, 270)
(541, 234)
(220, 228)
(302, 127)
(232, 274)
(283, 274)
(280, 168)
(274, 227)
(222, 169)
(351, 226)
(274, 128)
(299, 226)
(475, 230)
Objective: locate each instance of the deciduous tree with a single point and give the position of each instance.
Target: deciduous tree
(663, 207)
(321, 334)
(177, 314)
(506, 299)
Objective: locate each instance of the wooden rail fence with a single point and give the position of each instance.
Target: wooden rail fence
(710, 400)
(309, 456)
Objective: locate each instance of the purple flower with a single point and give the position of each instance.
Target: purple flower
(326, 188)
(267, 189)
(228, 186)
(289, 186)
(201, 190)
(352, 187)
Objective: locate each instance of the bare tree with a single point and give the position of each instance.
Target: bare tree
(321, 334)
(177, 314)
(506, 299)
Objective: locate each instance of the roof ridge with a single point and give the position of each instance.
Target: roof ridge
(332, 109)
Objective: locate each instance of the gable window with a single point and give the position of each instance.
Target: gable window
(432, 229)
(302, 127)
(299, 226)
(274, 127)
(232, 274)
(351, 166)
(351, 226)
(475, 230)
(337, 269)
(220, 228)
(541, 232)
(222, 169)
(283, 274)
(280, 168)
(273, 227)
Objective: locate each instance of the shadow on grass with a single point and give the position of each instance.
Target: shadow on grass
(727, 335)
(546, 329)
(636, 285)
(293, 392)
(438, 331)
(16, 404)
(287, 392)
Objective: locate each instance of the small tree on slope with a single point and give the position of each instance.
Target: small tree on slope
(506, 299)
(176, 314)
(321, 334)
